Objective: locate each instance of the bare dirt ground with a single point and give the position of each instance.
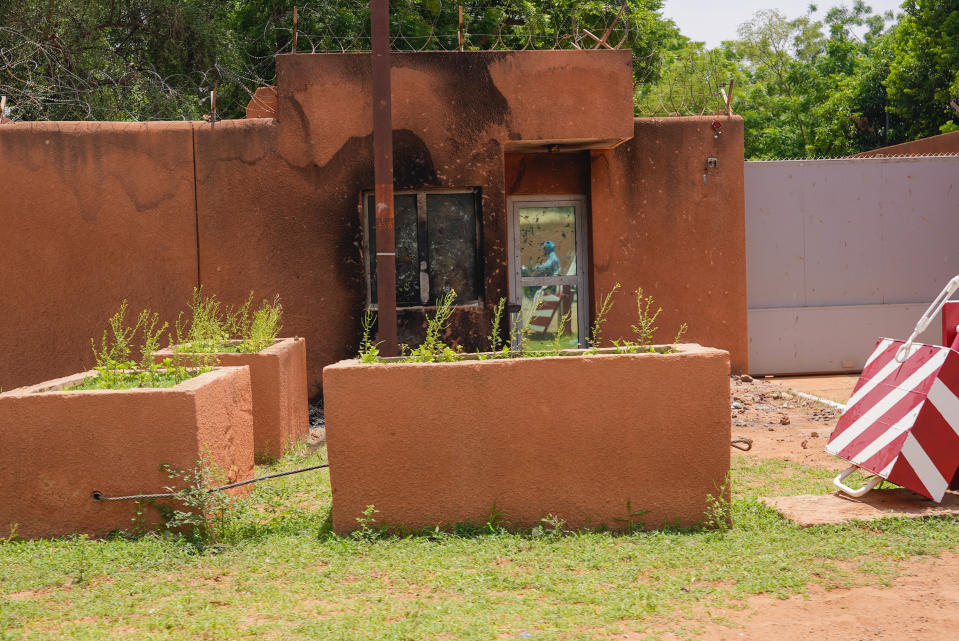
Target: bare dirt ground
(922, 604)
(782, 425)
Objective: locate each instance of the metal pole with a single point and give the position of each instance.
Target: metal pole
(383, 177)
(296, 16)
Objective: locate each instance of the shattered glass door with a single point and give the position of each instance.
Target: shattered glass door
(548, 272)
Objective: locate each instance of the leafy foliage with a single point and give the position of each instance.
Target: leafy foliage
(813, 85)
(433, 349)
(846, 83)
(118, 369)
(214, 328)
(200, 514)
(159, 59)
(117, 60)
(369, 351)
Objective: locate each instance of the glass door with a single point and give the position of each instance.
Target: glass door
(548, 279)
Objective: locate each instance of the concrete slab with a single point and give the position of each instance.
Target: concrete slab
(836, 387)
(824, 509)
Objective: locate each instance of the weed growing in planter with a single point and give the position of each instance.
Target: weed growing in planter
(525, 334)
(264, 326)
(117, 369)
(433, 349)
(213, 328)
(645, 327)
(558, 336)
(495, 336)
(369, 351)
(602, 311)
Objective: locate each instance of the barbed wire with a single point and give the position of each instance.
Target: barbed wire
(418, 27)
(693, 84)
(871, 156)
(42, 79)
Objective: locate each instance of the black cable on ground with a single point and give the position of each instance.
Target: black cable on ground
(98, 495)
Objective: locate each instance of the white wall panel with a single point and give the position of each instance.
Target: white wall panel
(840, 248)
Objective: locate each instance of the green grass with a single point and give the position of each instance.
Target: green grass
(280, 574)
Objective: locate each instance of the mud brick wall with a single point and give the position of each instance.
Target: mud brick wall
(92, 213)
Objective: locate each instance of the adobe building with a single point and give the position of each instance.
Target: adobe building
(500, 160)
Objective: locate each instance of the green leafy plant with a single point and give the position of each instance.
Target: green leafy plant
(645, 326)
(558, 336)
(718, 508)
(679, 333)
(369, 351)
(632, 519)
(495, 338)
(550, 527)
(433, 349)
(81, 561)
(602, 311)
(264, 326)
(214, 328)
(200, 514)
(525, 334)
(369, 530)
(495, 522)
(206, 331)
(117, 368)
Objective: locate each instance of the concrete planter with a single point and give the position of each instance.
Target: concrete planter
(573, 436)
(60, 446)
(280, 399)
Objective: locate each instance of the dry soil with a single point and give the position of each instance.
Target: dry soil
(922, 604)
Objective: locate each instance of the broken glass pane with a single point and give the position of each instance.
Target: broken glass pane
(451, 222)
(407, 255)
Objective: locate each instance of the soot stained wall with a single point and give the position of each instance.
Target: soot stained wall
(93, 213)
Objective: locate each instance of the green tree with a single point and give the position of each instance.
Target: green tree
(264, 27)
(924, 70)
(117, 60)
(159, 59)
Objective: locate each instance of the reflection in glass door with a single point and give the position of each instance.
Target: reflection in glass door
(548, 271)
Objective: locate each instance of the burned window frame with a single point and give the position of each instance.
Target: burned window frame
(423, 247)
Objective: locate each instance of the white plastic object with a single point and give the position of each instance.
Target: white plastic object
(905, 351)
(845, 489)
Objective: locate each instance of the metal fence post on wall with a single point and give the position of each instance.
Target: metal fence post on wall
(383, 177)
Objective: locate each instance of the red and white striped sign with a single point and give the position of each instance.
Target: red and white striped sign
(902, 421)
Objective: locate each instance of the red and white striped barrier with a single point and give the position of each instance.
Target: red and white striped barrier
(902, 421)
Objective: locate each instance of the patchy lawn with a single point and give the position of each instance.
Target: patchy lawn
(279, 574)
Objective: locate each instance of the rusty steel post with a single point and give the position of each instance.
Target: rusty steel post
(296, 20)
(383, 177)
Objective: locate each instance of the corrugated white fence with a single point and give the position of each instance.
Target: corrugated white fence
(840, 252)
